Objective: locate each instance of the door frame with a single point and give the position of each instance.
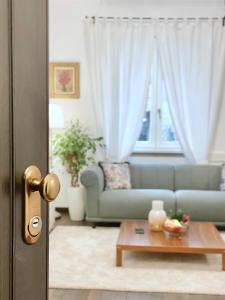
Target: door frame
(24, 142)
(6, 188)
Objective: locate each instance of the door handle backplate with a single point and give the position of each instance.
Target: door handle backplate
(36, 187)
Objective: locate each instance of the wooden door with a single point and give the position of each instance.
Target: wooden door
(23, 142)
(5, 153)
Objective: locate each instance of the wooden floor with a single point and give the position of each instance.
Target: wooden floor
(60, 294)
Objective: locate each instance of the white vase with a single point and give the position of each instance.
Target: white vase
(157, 216)
(76, 200)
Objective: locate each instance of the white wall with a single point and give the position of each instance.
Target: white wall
(66, 44)
(66, 33)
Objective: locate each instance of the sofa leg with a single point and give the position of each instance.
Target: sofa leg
(94, 225)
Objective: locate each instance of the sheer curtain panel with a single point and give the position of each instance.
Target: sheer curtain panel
(119, 55)
(192, 55)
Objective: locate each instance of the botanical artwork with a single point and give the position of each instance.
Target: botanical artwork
(64, 80)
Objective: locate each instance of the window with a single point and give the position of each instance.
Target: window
(157, 133)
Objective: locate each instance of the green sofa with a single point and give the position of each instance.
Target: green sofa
(193, 188)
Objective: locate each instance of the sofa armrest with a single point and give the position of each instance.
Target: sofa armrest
(93, 176)
(93, 179)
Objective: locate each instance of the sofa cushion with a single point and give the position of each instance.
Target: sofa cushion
(116, 175)
(197, 177)
(133, 204)
(150, 176)
(202, 205)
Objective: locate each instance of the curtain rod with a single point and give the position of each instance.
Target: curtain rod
(161, 18)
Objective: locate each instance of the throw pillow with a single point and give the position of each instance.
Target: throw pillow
(117, 175)
(222, 186)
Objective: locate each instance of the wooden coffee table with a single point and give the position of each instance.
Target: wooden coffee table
(201, 238)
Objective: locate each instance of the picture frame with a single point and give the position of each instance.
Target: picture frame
(64, 80)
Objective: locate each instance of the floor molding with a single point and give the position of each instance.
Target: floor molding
(64, 294)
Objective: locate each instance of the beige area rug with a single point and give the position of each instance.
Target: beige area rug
(84, 258)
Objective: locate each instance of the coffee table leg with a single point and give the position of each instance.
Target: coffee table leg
(223, 261)
(118, 257)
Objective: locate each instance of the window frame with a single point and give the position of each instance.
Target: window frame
(156, 145)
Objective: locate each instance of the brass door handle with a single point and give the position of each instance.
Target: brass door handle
(48, 186)
(35, 187)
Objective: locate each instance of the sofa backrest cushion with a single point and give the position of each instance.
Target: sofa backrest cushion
(150, 176)
(197, 177)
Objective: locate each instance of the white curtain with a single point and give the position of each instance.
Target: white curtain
(119, 54)
(192, 55)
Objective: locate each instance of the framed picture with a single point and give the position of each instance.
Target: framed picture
(65, 80)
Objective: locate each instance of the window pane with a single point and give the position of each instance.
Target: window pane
(167, 131)
(145, 131)
(145, 134)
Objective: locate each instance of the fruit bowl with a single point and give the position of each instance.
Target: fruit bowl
(176, 229)
(177, 225)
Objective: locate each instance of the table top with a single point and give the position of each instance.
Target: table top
(200, 238)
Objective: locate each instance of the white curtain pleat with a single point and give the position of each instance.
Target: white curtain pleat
(119, 55)
(192, 62)
(218, 84)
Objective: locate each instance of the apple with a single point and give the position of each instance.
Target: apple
(185, 218)
(177, 229)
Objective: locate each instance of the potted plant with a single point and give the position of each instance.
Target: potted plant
(76, 148)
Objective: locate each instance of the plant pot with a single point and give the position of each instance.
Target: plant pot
(76, 197)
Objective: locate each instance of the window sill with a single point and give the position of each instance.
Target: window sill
(157, 154)
(160, 149)
(157, 151)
